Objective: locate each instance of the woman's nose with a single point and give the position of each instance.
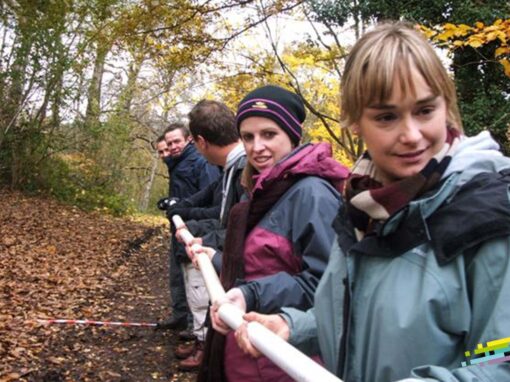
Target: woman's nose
(258, 144)
(411, 131)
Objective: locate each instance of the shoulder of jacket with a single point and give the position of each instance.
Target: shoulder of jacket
(483, 208)
(307, 193)
(312, 185)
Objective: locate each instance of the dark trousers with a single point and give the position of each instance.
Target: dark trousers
(180, 307)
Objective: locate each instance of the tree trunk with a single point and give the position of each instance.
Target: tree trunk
(14, 98)
(144, 202)
(94, 93)
(126, 97)
(11, 105)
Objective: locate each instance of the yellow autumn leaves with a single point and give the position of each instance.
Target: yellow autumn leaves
(457, 36)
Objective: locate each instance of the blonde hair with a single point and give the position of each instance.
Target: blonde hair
(247, 177)
(386, 52)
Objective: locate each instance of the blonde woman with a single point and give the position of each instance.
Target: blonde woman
(420, 270)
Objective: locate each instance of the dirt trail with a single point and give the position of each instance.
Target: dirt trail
(60, 262)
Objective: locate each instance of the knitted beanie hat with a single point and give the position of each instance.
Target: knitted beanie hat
(283, 107)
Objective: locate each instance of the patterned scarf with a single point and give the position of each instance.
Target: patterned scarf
(369, 201)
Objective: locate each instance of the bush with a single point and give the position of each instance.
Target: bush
(77, 180)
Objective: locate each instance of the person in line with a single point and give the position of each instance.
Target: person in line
(162, 148)
(278, 240)
(212, 126)
(420, 270)
(189, 173)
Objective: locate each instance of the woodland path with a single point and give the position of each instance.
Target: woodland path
(59, 262)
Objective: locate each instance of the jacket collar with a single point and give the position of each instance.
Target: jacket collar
(188, 151)
(306, 160)
(481, 206)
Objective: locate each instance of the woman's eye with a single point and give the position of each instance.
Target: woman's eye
(246, 137)
(269, 134)
(387, 117)
(426, 110)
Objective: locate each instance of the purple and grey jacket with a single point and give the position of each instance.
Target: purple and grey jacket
(286, 253)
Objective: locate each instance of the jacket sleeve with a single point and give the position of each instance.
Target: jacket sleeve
(309, 215)
(303, 329)
(202, 228)
(204, 197)
(215, 238)
(205, 204)
(208, 173)
(488, 283)
(201, 213)
(217, 261)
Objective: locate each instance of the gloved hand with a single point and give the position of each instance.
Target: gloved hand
(181, 208)
(177, 209)
(164, 203)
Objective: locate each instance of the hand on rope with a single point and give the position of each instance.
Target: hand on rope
(179, 231)
(179, 207)
(234, 297)
(193, 248)
(164, 203)
(193, 245)
(273, 322)
(230, 308)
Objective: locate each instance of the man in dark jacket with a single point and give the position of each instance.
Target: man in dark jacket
(189, 172)
(215, 135)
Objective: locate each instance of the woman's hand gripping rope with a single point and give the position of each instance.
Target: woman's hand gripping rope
(230, 309)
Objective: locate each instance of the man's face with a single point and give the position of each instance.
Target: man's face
(162, 149)
(176, 142)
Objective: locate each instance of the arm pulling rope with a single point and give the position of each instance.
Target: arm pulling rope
(295, 363)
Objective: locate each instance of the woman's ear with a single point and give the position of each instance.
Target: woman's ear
(355, 128)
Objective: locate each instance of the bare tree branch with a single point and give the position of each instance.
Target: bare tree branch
(297, 88)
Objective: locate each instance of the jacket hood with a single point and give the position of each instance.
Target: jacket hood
(306, 160)
(476, 155)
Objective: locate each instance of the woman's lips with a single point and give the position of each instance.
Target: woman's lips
(261, 159)
(412, 156)
(262, 162)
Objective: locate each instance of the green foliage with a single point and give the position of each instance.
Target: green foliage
(58, 99)
(423, 12)
(159, 190)
(19, 156)
(71, 178)
(331, 12)
(483, 91)
(485, 102)
(75, 180)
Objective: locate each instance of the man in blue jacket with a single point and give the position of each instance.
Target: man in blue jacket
(189, 173)
(215, 134)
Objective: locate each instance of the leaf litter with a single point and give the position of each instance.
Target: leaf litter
(57, 261)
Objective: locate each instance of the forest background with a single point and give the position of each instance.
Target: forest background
(87, 85)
